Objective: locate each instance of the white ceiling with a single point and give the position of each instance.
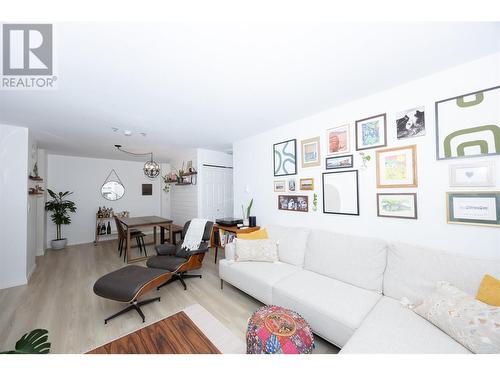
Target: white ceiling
(207, 84)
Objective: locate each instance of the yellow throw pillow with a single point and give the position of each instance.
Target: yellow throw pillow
(489, 291)
(260, 234)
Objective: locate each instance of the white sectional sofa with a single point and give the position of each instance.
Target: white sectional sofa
(348, 288)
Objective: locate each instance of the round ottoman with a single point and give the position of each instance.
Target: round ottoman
(276, 330)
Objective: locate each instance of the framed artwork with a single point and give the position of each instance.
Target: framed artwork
(403, 206)
(147, 189)
(410, 123)
(397, 167)
(468, 125)
(338, 140)
(285, 158)
(310, 152)
(307, 184)
(336, 162)
(474, 208)
(292, 184)
(480, 174)
(280, 186)
(371, 132)
(298, 203)
(340, 193)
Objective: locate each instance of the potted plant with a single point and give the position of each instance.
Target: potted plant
(60, 208)
(246, 213)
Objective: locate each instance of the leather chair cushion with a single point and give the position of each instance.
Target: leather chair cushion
(166, 249)
(170, 263)
(123, 284)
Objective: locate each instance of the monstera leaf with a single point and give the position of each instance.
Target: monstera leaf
(34, 342)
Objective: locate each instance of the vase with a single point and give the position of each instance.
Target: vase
(252, 221)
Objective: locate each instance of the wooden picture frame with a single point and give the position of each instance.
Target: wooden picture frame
(312, 154)
(339, 162)
(384, 211)
(341, 192)
(398, 166)
(297, 203)
(307, 184)
(284, 157)
(363, 128)
(461, 208)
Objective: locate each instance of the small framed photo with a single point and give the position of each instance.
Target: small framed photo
(285, 158)
(310, 152)
(147, 189)
(481, 174)
(397, 167)
(473, 208)
(340, 193)
(402, 206)
(410, 123)
(307, 184)
(280, 186)
(299, 203)
(292, 184)
(338, 140)
(337, 162)
(371, 132)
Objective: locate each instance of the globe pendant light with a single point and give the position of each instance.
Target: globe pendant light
(151, 168)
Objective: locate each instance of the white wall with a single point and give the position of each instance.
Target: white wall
(13, 205)
(84, 177)
(253, 167)
(184, 198)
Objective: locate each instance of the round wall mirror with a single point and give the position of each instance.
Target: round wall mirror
(112, 190)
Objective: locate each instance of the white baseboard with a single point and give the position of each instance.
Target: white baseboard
(28, 276)
(11, 284)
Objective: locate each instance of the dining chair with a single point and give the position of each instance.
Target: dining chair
(122, 238)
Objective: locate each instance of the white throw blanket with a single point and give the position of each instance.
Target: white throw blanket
(194, 234)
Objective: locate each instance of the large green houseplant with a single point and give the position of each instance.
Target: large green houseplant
(60, 208)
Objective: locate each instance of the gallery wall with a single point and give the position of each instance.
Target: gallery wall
(253, 167)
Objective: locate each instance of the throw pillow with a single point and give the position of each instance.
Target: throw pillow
(256, 250)
(472, 323)
(260, 234)
(489, 291)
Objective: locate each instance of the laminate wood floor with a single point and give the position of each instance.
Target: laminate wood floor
(59, 297)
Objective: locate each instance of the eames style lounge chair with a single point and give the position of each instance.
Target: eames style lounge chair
(179, 261)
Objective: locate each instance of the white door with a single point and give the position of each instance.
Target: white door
(217, 192)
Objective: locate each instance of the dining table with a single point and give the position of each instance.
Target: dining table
(146, 222)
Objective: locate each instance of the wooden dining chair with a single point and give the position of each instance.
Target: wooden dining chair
(122, 238)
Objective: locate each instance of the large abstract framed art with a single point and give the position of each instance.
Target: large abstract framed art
(468, 125)
(285, 158)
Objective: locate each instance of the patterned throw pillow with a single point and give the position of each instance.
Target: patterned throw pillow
(472, 323)
(256, 250)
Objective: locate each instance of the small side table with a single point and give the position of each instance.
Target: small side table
(234, 229)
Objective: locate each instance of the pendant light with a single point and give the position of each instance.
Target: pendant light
(151, 168)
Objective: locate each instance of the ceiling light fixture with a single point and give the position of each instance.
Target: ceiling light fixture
(151, 168)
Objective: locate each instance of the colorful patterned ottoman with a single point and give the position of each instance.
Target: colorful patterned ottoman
(276, 330)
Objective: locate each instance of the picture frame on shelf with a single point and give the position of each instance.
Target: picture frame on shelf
(397, 205)
(371, 132)
(338, 162)
(311, 153)
(338, 140)
(298, 203)
(480, 174)
(285, 158)
(468, 125)
(397, 167)
(473, 208)
(410, 123)
(307, 184)
(280, 186)
(341, 192)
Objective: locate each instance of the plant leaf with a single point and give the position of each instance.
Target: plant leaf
(34, 342)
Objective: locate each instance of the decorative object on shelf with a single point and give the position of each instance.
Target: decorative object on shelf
(104, 212)
(311, 155)
(474, 208)
(340, 193)
(246, 213)
(371, 132)
(151, 168)
(147, 189)
(315, 202)
(292, 184)
(280, 186)
(481, 174)
(468, 125)
(60, 208)
(37, 190)
(307, 184)
(397, 167)
(410, 123)
(108, 228)
(34, 342)
(252, 221)
(189, 167)
(398, 205)
(285, 158)
(112, 189)
(34, 175)
(365, 158)
(338, 140)
(337, 162)
(298, 203)
(167, 181)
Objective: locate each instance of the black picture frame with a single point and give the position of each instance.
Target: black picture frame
(384, 115)
(414, 217)
(147, 189)
(295, 156)
(355, 173)
(339, 157)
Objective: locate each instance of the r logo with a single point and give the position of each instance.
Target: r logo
(27, 49)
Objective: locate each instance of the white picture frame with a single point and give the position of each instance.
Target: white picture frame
(338, 140)
(480, 174)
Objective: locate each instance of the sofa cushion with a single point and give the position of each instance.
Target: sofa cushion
(359, 261)
(292, 243)
(255, 278)
(392, 328)
(256, 250)
(413, 271)
(334, 309)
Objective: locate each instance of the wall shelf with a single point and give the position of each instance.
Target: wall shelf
(36, 178)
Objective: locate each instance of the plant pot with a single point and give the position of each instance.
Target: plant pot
(252, 221)
(58, 244)
(245, 222)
